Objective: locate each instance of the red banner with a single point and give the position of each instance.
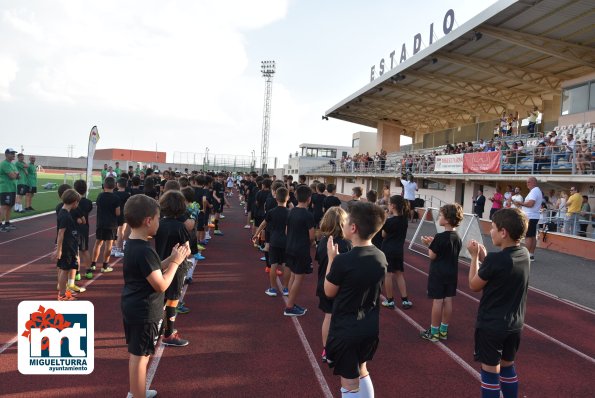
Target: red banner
(482, 163)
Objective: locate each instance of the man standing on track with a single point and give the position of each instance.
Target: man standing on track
(31, 182)
(22, 183)
(531, 206)
(8, 188)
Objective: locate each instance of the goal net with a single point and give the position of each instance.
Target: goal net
(70, 178)
(428, 226)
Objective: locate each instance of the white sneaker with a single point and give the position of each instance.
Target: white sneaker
(149, 394)
(118, 253)
(207, 236)
(222, 216)
(246, 226)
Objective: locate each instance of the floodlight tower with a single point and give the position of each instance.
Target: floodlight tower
(268, 71)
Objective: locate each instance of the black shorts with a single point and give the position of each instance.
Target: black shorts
(346, 354)
(106, 233)
(437, 289)
(492, 346)
(22, 189)
(532, 229)
(141, 338)
(325, 304)
(277, 255)
(7, 198)
(299, 265)
(32, 189)
(83, 239)
(200, 221)
(174, 291)
(66, 264)
(412, 205)
(217, 207)
(395, 263)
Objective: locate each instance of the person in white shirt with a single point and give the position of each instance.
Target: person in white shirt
(531, 207)
(516, 198)
(409, 190)
(508, 196)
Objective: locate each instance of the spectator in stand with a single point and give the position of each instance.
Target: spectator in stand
(570, 143)
(583, 157)
(497, 201)
(532, 120)
(540, 158)
(585, 219)
(482, 144)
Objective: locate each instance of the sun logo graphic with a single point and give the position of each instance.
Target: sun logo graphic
(56, 337)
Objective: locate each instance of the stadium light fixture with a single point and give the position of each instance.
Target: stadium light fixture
(477, 35)
(324, 117)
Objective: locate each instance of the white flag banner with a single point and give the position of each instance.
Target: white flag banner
(93, 138)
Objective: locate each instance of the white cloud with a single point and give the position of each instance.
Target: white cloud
(8, 73)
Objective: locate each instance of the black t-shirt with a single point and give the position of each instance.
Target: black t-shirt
(276, 220)
(85, 207)
(199, 196)
(322, 258)
(395, 229)
(171, 231)
(219, 190)
(447, 246)
(152, 193)
(378, 239)
(502, 305)
(293, 199)
(317, 205)
(140, 303)
(330, 201)
(123, 196)
(70, 242)
(261, 199)
(107, 203)
(299, 223)
(270, 204)
(136, 191)
(359, 273)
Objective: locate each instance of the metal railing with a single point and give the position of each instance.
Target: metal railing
(576, 224)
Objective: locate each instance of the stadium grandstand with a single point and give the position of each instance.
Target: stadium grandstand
(508, 94)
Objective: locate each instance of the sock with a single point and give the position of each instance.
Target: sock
(433, 329)
(350, 393)
(170, 314)
(490, 385)
(105, 265)
(70, 282)
(444, 327)
(509, 382)
(366, 388)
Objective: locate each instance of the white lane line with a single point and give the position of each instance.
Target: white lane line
(15, 338)
(160, 347)
(25, 236)
(534, 289)
(30, 262)
(542, 334)
(326, 391)
(440, 345)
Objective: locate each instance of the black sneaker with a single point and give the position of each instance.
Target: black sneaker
(294, 311)
(175, 340)
(2, 229)
(9, 227)
(427, 335)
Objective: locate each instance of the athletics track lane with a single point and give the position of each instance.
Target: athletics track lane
(241, 345)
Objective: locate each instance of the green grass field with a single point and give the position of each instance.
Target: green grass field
(46, 199)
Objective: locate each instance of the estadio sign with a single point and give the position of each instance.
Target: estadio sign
(447, 25)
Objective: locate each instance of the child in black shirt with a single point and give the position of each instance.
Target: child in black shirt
(108, 210)
(330, 200)
(122, 194)
(444, 249)
(300, 237)
(275, 223)
(394, 233)
(332, 224)
(172, 232)
(66, 252)
(504, 278)
(144, 284)
(354, 280)
(84, 208)
(318, 202)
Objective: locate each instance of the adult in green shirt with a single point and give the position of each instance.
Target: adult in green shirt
(103, 174)
(22, 183)
(31, 182)
(8, 188)
(118, 170)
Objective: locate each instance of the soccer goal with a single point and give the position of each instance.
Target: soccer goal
(428, 226)
(70, 178)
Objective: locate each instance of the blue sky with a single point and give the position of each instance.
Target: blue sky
(185, 75)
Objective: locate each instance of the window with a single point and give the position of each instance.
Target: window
(592, 96)
(575, 99)
(350, 180)
(429, 184)
(355, 143)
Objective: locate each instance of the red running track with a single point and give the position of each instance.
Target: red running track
(242, 346)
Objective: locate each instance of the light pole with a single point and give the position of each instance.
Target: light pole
(207, 157)
(268, 71)
(253, 162)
